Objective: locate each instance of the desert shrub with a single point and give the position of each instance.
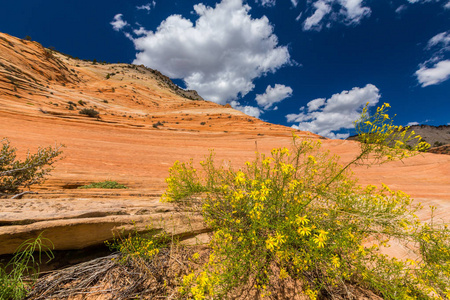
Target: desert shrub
(48, 53)
(19, 274)
(298, 215)
(107, 184)
(90, 112)
(16, 174)
(157, 124)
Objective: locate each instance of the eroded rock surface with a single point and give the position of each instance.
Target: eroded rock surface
(144, 126)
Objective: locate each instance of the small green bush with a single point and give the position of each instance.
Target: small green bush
(16, 175)
(298, 215)
(90, 112)
(107, 184)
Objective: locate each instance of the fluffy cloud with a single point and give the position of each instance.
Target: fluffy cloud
(316, 104)
(436, 74)
(447, 5)
(326, 11)
(323, 116)
(412, 123)
(248, 110)
(322, 8)
(118, 23)
(219, 56)
(273, 95)
(437, 69)
(147, 6)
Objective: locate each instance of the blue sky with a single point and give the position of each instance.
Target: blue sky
(308, 64)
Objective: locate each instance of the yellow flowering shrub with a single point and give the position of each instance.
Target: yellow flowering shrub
(298, 214)
(143, 246)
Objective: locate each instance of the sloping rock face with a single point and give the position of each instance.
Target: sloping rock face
(436, 136)
(144, 125)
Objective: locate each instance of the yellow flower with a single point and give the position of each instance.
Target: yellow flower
(280, 239)
(304, 231)
(335, 261)
(320, 238)
(312, 159)
(270, 244)
(283, 273)
(240, 178)
(302, 220)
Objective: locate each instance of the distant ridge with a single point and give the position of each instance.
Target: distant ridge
(437, 136)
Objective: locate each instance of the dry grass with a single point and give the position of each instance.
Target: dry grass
(115, 277)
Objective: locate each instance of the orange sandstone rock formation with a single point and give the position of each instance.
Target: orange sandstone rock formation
(145, 123)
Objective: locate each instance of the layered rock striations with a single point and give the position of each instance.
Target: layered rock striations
(144, 123)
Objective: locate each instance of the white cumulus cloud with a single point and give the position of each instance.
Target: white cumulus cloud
(273, 95)
(436, 74)
(315, 104)
(348, 12)
(118, 23)
(324, 116)
(437, 69)
(219, 55)
(248, 110)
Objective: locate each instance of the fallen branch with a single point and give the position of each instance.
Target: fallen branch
(18, 196)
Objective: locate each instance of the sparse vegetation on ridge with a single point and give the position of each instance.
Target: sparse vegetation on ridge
(90, 112)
